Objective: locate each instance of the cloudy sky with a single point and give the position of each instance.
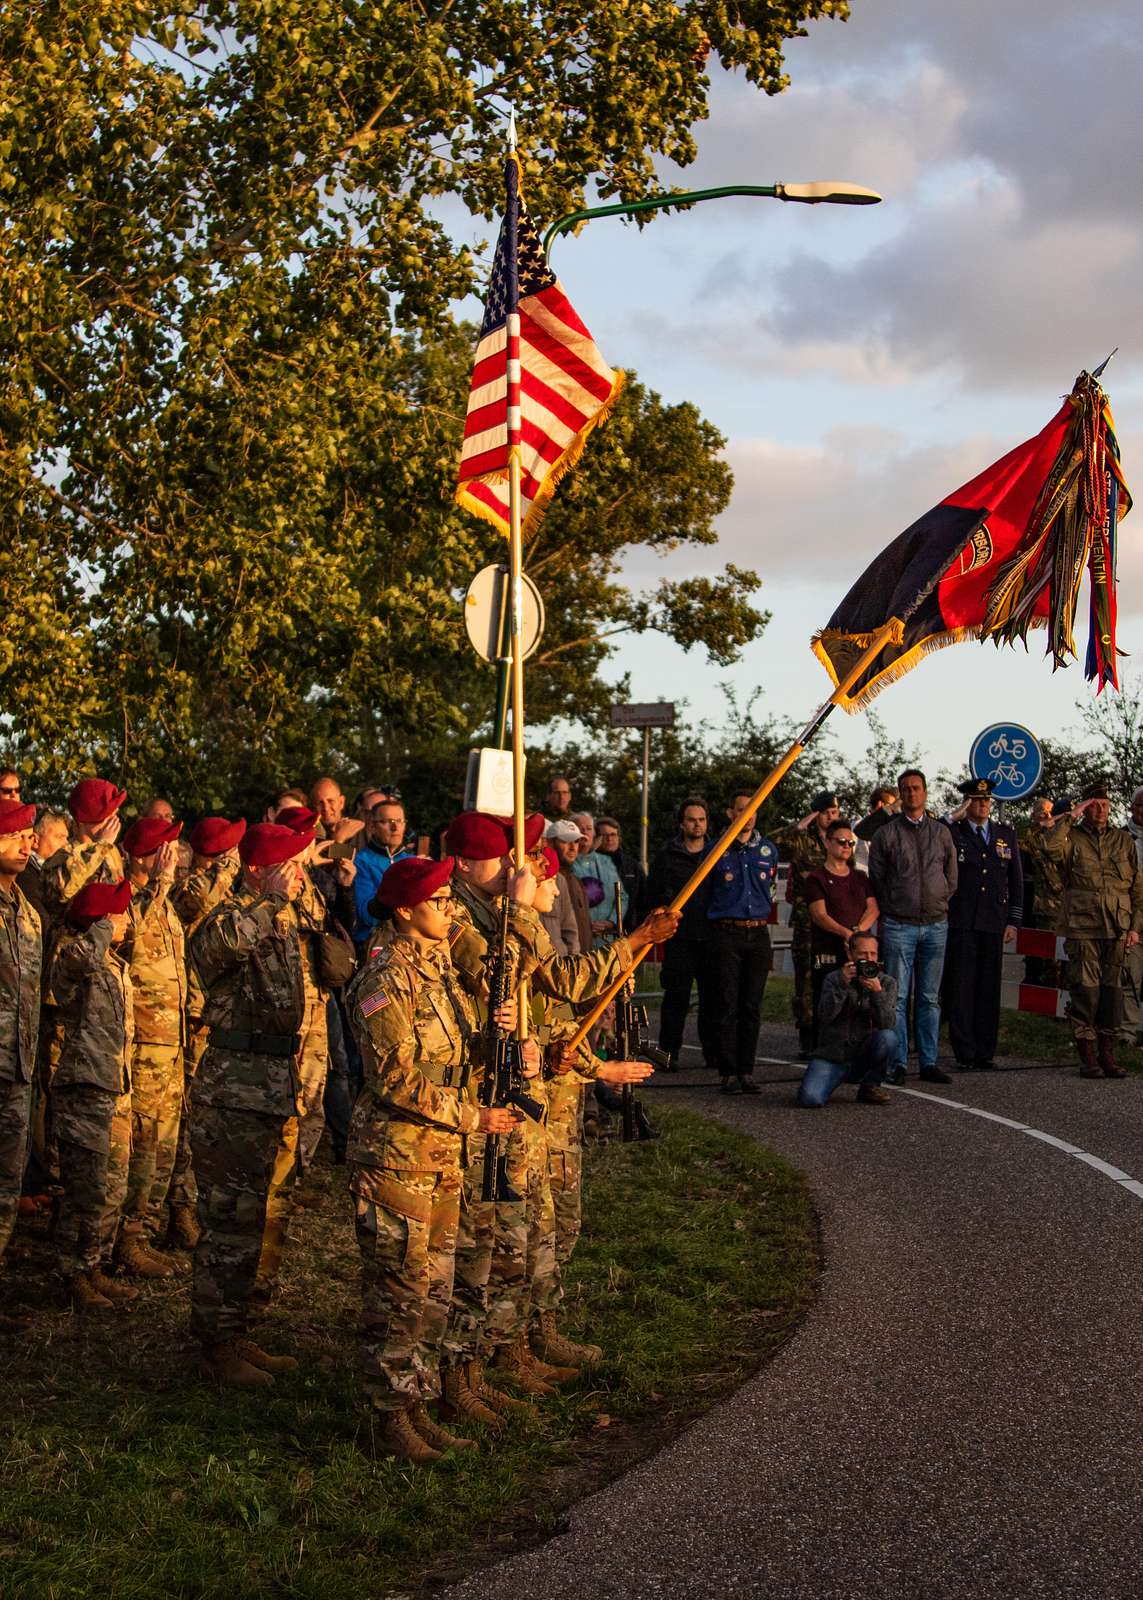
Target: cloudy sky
(863, 363)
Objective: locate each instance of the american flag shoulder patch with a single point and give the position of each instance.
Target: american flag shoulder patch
(374, 1003)
(455, 932)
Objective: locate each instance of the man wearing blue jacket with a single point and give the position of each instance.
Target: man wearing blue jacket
(739, 954)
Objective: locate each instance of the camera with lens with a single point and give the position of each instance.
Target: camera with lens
(867, 969)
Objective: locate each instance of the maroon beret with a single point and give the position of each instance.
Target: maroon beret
(534, 825)
(144, 837)
(413, 879)
(97, 900)
(94, 799)
(297, 817)
(214, 836)
(266, 844)
(476, 836)
(15, 817)
(551, 861)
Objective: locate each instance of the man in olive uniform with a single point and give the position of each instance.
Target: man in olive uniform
(1101, 914)
(156, 952)
(805, 850)
(214, 868)
(20, 958)
(247, 1092)
(418, 1029)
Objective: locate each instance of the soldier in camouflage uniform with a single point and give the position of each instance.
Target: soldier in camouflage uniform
(1101, 914)
(20, 959)
(313, 1062)
(90, 856)
(804, 848)
(418, 1030)
(213, 871)
(489, 1314)
(92, 1091)
(156, 953)
(246, 1096)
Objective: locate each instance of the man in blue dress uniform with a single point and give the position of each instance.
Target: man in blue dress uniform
(984, 913)
(739, 950)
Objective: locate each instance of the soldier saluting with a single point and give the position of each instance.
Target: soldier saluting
(1101, 913)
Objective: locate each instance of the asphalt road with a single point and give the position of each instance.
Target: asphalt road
(962, 1412)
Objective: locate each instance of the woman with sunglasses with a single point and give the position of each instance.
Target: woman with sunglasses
(417, 1026)
(840, 903)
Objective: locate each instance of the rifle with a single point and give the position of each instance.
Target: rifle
(503, 1080)
(631, 1045)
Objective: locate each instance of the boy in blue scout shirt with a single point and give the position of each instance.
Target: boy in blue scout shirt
(740, 960)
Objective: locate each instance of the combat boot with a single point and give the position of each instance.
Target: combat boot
(1111, 1067)
(517, 1362)
(183, 1231)
(1089, 1066)
(503, 1405)
(460, 1403)
(133, 1256)
(225, 1364)
(551, 1345)
(394, 1435)
(257, 1357)
(432, 1433)
(111, 1288)
(85, 1296)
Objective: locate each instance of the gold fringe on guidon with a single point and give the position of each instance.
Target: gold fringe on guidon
(896, 669)
(562, 465)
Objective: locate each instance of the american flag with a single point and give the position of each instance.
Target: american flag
(538, 382)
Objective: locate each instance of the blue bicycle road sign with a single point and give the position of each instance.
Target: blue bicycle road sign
(1010, 757)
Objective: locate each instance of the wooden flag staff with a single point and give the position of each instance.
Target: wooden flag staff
(769, 783)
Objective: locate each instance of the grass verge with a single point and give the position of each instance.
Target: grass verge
(124, 1474)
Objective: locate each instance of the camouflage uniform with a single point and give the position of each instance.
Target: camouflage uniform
(416, 1028)
(313, 1064)
(492, 1294)
(62, 876)
(156, 951)
(92, 1093)
(805, 851)
(202, 889)
(20, 958)
(1047, 893)
(245, 1099)
(1101, 902)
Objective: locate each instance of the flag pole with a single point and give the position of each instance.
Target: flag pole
(768, 784)
(515, 537)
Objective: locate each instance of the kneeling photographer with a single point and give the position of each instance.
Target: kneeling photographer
(856, 1019)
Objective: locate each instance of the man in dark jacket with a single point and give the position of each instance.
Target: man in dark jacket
(857, 1037)
(684, 960)
(984, 913)
(912, 868)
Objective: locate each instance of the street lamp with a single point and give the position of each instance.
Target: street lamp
(808, 194)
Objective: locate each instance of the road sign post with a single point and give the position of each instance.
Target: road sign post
(646, 715)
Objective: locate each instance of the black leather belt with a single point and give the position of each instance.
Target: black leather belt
(743, 922)
(256, 1044)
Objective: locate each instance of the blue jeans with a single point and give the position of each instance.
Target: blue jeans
(868, 1066)
(914, 953)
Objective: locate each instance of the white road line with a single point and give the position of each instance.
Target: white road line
(1116, 1174)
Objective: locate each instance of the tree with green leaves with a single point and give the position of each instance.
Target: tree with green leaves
(233, 384)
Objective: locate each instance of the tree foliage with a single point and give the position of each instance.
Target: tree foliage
(232, 379)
